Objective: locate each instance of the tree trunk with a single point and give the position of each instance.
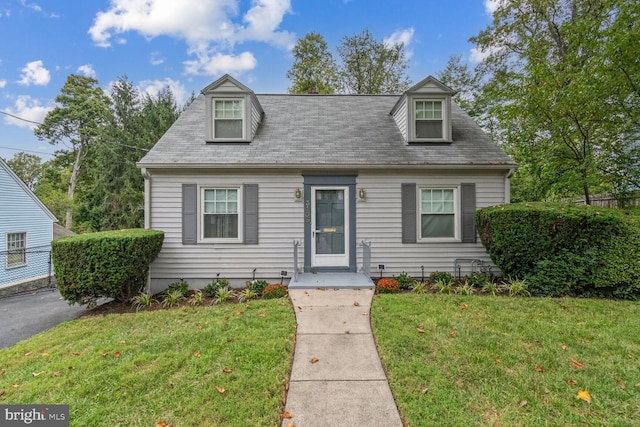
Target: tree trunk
(75, 173)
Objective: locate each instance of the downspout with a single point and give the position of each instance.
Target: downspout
(507, 185)
(147, 213)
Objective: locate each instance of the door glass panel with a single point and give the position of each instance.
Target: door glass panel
(330, 222)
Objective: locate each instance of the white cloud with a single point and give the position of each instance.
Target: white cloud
(212, 64)
(404, 37)
(35, 73)
(87, 71)
(3, 83)
(491, 6)
(28, 109)
(205, 25)
(155, 58)
(153, 87)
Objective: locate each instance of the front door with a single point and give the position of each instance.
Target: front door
(330, 227)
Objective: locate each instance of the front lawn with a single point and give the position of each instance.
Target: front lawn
(485, 361)
(191, 366)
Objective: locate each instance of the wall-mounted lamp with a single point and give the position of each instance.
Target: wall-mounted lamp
(297, 194)
(362, 194)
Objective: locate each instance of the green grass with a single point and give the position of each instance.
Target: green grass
(138, 369)
(485, 361)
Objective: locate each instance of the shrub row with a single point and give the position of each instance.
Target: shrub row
(111, 264)
(565, 249)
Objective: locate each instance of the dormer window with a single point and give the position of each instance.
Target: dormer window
(228, 118)
(429, 123)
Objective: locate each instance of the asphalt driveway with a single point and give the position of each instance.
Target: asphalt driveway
(25, 315)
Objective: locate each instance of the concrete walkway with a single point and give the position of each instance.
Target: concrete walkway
(337, 378)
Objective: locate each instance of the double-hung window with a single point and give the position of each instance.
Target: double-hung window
(16, 249)
(228, 118)
(437, 213)
(429, 119)
(220, 219)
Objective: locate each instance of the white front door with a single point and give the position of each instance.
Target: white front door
(330, 227)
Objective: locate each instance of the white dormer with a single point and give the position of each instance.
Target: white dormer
(423, 112)
(233, 111)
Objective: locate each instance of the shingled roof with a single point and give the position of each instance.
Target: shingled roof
(323, 131)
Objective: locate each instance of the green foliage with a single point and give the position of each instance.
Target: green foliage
(518, 288)
(387, 286)
(419, 287)
(246, 294)
(565, 249)
(274, 290)
(313, 66)
(465, 289)
(212, 288)
(405, 281)
(197, 298)
(491, 288)
(28, 168)
(257, 286)
(443, 285)
(179, 286)
(223, 294)
(477, 279)
(142, 300)
(172, 298)
(440, 276)
(112, 264)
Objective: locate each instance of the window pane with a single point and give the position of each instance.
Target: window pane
(16, 245)
(220, 226)
(429, 129)
(228, 128)
(438, 226)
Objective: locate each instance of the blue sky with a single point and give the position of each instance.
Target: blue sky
(187, 44)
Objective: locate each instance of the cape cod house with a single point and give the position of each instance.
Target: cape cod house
(26, 231)
(246, 185)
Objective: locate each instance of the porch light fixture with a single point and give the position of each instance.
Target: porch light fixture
(298, 194)
(362, 194)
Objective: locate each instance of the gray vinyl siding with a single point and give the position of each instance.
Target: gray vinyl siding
(256, 117)
(401, 118)
(281, 221)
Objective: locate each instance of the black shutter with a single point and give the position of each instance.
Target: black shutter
(189, 214)
(409, 213)
(250, 213)
(468, 212)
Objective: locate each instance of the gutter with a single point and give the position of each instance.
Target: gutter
(507, 185)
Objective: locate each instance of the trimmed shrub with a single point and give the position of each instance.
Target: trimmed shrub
(257, 286)
(387, 286)
(212, 288)
(562, 249)
(110, 264)
(405, 281)
(274, 290)
(440, 276)
(180, 286)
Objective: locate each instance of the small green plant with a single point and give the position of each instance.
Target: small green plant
(387, 286)
(405, 281)
(212, 288)
(179, 286)
(257, 286)
(477, 279)
(197, 298)
(172, 298)
(143, 300)
(223, 294)
(246, 294)
(275, 290)
(491, 288)
(465, 289)
(443, 285)
(419, 287)
(518, 288)
(441, 276)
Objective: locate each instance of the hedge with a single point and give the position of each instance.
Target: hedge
(563, 249)
(111, 264)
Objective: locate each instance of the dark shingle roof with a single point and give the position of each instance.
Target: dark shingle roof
(322, 131)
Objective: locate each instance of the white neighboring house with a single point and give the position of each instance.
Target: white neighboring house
(240, 177)
(26, 231)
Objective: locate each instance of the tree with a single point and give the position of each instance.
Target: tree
(313, 67)
(563, 92)
(79, 118)
(372, 67)
(28, 167)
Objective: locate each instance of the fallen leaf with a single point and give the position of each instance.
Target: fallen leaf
(622, 386)
(453, 334)
(197, 354)
(314, 360)
(123, 342)
(286, 387)
(57, 374)
(238, 313)
(35, 374)
(523, 403)
(420, 329)
(220, 390)
(199, 327)
(498, 361)
(28, 353)
(116, 354)
(285, 414)
(15, 385)
(227, 371)
(425, 390)
(538, 368)
(161, 423)
(347, 332)
(71, 368)
(356, 303)
(572, 382)
(2, 392)
(172, 384)
(104, 354)
(577, 364)
(564, 348)
(44, 354)
(553, 321)
(75, 353)
(263, 314)
(299, 308)
(584, 395)
(463, 307)
(499, 344)
(291, 424)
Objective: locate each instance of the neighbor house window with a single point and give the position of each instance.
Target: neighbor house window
(16, 249)
(228, 119)
(220, 208)
(437, 213)
(429, 122)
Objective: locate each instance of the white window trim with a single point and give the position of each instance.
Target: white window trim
(6, 239)
(457, 214)
(446, 119)
(201, 238)
(211, 116)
